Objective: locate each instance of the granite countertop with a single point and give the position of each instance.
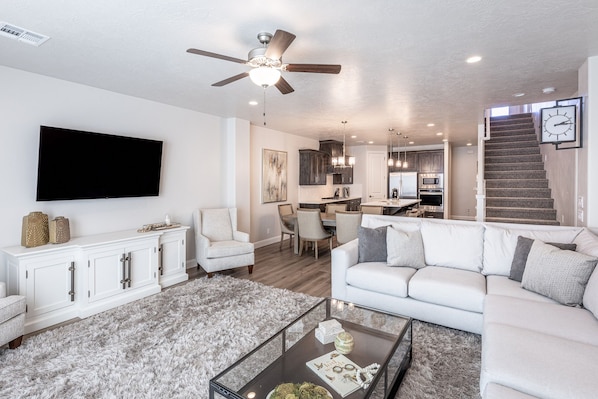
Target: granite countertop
(328, 200)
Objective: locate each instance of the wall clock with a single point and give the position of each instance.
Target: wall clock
(559, 124)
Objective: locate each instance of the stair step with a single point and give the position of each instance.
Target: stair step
(521, 213)
(521, 126)
(529, 133)
(512, 138)
(523, 221)
(510, 202)
(512, 158)
(512, 151)
(498, 144)
(516, 183)
(518, 192)
(493, 167)
(526, 115)
(517, 174)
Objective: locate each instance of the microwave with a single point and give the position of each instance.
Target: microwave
(430, 180)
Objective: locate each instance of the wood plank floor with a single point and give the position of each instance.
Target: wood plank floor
(281, 268)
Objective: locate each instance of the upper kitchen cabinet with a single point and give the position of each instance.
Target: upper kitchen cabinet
(411, 158)
(313, 166)
(430, 161)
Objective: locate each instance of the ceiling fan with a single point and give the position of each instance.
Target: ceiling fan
(266, 62)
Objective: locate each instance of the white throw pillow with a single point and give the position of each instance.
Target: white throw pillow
(500, 244)
(587, 242)
(453, 244)
(558, 274)
(404, 248)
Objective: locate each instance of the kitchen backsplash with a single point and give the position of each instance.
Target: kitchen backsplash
(314, 193)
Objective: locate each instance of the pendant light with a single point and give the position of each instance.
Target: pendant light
(405, 163)
(391, 162)
(343, 160)
(398, 164)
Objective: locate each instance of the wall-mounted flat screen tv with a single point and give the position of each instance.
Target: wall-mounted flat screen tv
(74, 164)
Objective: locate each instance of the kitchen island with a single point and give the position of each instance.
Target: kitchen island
(352, 203)
(393, 206)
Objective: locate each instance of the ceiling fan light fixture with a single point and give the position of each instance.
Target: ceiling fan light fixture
(264, 76)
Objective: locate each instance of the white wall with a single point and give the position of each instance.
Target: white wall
(265, 226)
(588, 156)
(192, 173)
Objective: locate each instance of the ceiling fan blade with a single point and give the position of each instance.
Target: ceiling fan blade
(214, 55)
(231, 79)
(278, 44)
(313, 68)
(284, 86)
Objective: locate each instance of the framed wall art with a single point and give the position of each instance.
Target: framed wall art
(274, 176)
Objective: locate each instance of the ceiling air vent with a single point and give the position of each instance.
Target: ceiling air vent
(21, 34)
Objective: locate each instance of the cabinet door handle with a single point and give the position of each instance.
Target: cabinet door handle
(129, 272)
(124, 279)
(161, 259)
(72, 291)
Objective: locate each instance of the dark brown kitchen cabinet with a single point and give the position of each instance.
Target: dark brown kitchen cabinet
(313, 166)
(430, 161)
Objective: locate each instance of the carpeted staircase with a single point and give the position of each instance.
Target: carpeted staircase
(516, 185)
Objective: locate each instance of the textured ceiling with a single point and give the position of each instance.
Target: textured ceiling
(403, 62)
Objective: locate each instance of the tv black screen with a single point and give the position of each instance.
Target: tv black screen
(74, 164)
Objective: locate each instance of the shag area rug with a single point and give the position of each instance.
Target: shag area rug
(171, 344)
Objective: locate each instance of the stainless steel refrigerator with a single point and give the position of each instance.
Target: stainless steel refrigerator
(405, 184)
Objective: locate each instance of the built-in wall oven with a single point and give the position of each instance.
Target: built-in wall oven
(431, 191)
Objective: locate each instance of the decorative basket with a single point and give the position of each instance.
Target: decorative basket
(35, 230)
(59, 230)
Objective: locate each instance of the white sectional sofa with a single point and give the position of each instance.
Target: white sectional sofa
(465, 275)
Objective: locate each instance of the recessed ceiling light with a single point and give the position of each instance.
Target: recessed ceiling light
(518, 94)
(439, 134)
(353, 137)
(445, 140)
(370, 142)
(431, 124)
(474, 59)
(548, 90)
(468, 144)
(412, 142)
(252, 102)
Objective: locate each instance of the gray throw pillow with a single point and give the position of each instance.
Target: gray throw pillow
(372, 244)
(524, 245)
(404, 248)
(558, 274)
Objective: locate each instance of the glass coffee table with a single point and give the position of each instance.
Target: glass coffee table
(378, 337)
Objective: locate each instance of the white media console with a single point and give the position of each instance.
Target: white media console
(94, 273)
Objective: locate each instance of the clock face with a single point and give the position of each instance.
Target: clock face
(559, 124)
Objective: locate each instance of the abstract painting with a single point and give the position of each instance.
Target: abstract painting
(274, 176)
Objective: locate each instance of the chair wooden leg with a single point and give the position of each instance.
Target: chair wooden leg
(15, 343)
(300, 247)
(281, 239)
(316, 248)
(250, 267)
(210, 275)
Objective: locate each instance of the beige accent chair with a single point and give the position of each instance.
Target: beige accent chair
(218, 244)
(347, 226)
(375, 210)
(12, 318)
(286, 228)
(333, 208)
(311, 229)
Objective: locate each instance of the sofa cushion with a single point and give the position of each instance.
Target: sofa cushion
(559, 274)
(460, 289)
(576, 324)
(502, 285)
(497, 391)
(522, 249)
(378, 277)
(453, 244)
(372, 244)
(500, 243)
(216, 224)
(590, 295)
(404, 248)
(587, 242)
(221, 249)
(538, 364)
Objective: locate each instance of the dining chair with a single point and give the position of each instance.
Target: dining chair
(333, 208)
(347, 226)
(376, 210)
(311, 229)
(285, 226)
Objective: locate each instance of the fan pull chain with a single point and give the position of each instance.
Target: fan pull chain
(264, 114)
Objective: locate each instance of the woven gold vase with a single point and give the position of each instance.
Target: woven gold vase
(35, 230)
(59, 230)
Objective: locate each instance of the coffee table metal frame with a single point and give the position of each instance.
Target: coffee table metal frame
(380, 337)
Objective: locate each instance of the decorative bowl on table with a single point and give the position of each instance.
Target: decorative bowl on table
(305, 390)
